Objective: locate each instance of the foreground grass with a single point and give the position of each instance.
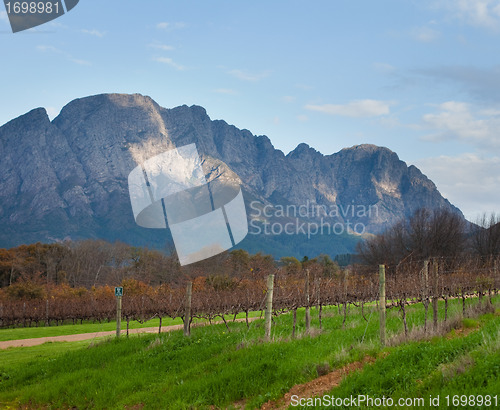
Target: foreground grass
(444, 366)
(217, 367)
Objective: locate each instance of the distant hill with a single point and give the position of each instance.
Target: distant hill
(67, 178)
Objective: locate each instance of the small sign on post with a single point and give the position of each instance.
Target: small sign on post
(118, 294)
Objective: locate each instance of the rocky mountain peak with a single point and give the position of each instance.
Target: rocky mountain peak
(34, 119)
(301, 150)
(68, 177)
(368, 150)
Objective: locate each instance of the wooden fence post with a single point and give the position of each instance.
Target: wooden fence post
(435, 293)
(294, 322)
(496, 276)
(118, 315)
(46, 312)
(308, 309)
(346, 274)
(425, 295)
(318, 303)
(269, 306)
(187, 311)
(381, 270)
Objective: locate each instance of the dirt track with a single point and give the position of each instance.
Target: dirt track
(318, 386)
(87, 336)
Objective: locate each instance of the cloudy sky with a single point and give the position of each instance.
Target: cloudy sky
(419, 77)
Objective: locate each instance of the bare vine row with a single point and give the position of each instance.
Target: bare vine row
(408, 282)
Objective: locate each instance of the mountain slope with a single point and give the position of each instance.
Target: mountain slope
(68, 178)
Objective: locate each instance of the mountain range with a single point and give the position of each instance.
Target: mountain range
(67, 178)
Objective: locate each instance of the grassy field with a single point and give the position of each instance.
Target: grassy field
(221, 368)
(69, 329)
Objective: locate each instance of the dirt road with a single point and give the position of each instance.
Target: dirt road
(87, 336)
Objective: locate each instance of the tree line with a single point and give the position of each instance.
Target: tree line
(54, 283)
(437, 233)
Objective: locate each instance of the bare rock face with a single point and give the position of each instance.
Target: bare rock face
(68, 178)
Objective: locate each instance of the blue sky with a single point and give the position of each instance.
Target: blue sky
(419, 77)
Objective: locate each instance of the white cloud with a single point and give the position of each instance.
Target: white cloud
(162, 47)
(3, 16)
(54, 50)
(227, 91)
(57, 24)
(482, 83)
(482, 13)
(304, 87)
(468, 181)
(170, 26)
(384, 68)
(357, 109)
(48, 49)
(391, 121)
(248, 76)
(303, 118)
(489, 112)
(170, 62)
(288, 99)
(94, 32)
(425, 34)
(79, 61)
(457, 121)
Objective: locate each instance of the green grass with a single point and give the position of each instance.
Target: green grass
(217, 367)
(22, 356)
(70, 329)
(444, 366)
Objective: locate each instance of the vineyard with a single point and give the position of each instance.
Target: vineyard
(217, 296)
(331, 324)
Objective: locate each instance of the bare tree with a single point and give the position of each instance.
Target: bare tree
(426, 234)
(436, 233)
(486, 236)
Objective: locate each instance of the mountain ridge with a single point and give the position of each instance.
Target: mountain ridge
(67, 177)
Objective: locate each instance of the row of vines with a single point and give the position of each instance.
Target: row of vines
(212, 298)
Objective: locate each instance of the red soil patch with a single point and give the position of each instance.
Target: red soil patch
(461, 332)
(318, 386)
